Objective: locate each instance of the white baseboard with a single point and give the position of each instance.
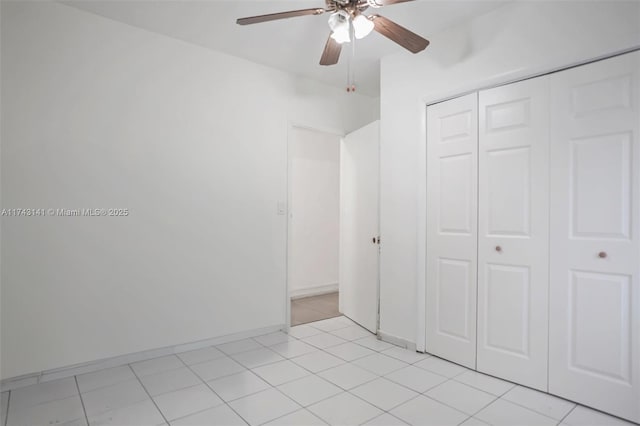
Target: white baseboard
(395, 340)
(313, 291)
(88, 367)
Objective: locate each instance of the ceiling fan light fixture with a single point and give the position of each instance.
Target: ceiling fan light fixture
(347, 23)
(362, 26)
(339, 22)
(341, 35)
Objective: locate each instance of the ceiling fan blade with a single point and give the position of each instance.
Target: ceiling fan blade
(276, 16)
(331, 52)
(405, 38)
(380, 3)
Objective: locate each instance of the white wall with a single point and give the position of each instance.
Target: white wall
(98, 114)
(512, 42)
(315, 211)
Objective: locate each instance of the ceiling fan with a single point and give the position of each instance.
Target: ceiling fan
(346, 21)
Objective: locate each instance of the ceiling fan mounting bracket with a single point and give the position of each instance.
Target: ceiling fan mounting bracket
(353, 7)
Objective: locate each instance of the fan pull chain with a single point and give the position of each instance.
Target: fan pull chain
(351, 73)
(349, 58)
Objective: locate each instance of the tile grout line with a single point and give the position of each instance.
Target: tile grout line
(325, 350)
(288, 414)
(348, 391)
(449, 379)
(313, 374)
(134, 378)
(356, 386)
(392, 415)
(240, 397)
(410, 365)
(251, 370)
(306, 407)
(393, 408)
(324, 399)
(329, 331)
(155, 357)
(289, 398)
(495, 398)
(97, 389)
(481, 373)
(84, 410)
(467, 419)
(443, 403)
(536, 411)
(453, 378)
(214, 392)
(225, 375)
(210, 408)
(570, 411)
(346, 362)
(148, 394)
(316, 349)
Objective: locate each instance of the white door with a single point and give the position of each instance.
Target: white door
(595, 236)
(452, 158)
(513, 232)
(359, 226)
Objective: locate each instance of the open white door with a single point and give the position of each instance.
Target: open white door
(359, 226)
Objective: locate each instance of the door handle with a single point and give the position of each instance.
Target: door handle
(499, 249)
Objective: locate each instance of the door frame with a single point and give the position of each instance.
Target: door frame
(292, 125)
(426, 101)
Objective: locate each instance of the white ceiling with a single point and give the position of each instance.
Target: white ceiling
(294, 45)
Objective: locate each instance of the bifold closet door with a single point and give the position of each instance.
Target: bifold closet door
(513, 232)
(594, 355)
(452, 159)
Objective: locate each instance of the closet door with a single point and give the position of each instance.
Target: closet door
(452, 158)
(594, 340)
(513, 235)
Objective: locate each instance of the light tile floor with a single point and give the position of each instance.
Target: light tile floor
(327, 372)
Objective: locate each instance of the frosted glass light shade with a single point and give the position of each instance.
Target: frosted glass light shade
(341, 36)
(338, 20)
(339, 24)
(362, 26)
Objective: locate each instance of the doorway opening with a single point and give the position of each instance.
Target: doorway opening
(333, 226)
(314, 308)
(313, 225)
